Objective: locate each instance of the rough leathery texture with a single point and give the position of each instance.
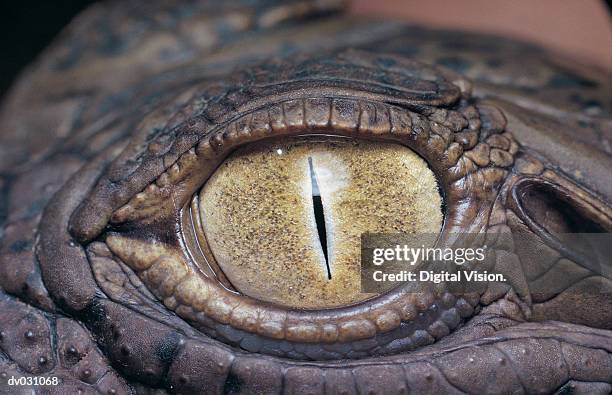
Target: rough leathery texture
(43, 345)
(133, 107)
(28, 195)
(565, 353)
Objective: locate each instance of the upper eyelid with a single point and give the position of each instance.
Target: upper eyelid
(134, 170)
(368, 120)
(419, 132)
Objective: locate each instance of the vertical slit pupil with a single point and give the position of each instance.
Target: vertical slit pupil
(319, 214)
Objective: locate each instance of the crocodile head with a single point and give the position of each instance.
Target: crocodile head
(158, 173)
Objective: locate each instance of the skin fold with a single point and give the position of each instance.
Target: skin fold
(108, 138)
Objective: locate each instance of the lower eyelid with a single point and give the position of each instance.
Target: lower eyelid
(210, 307)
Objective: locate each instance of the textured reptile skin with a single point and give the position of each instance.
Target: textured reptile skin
(136, 103)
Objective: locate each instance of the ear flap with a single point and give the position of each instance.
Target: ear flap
(556, 209)
(567, 249)
(565, 217)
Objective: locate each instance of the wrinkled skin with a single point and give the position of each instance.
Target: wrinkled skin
(519, 138)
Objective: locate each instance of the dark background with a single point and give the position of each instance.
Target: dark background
(26, 27)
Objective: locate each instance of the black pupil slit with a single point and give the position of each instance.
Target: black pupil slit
(319, 214)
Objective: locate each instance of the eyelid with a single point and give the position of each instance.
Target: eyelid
(312, 116)
(220, 103)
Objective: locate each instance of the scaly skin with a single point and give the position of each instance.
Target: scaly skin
(135, 105)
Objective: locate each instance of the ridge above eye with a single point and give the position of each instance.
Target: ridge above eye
(284, 220)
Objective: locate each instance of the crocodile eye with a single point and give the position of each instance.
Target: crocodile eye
(246, 220)
(284, 220)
